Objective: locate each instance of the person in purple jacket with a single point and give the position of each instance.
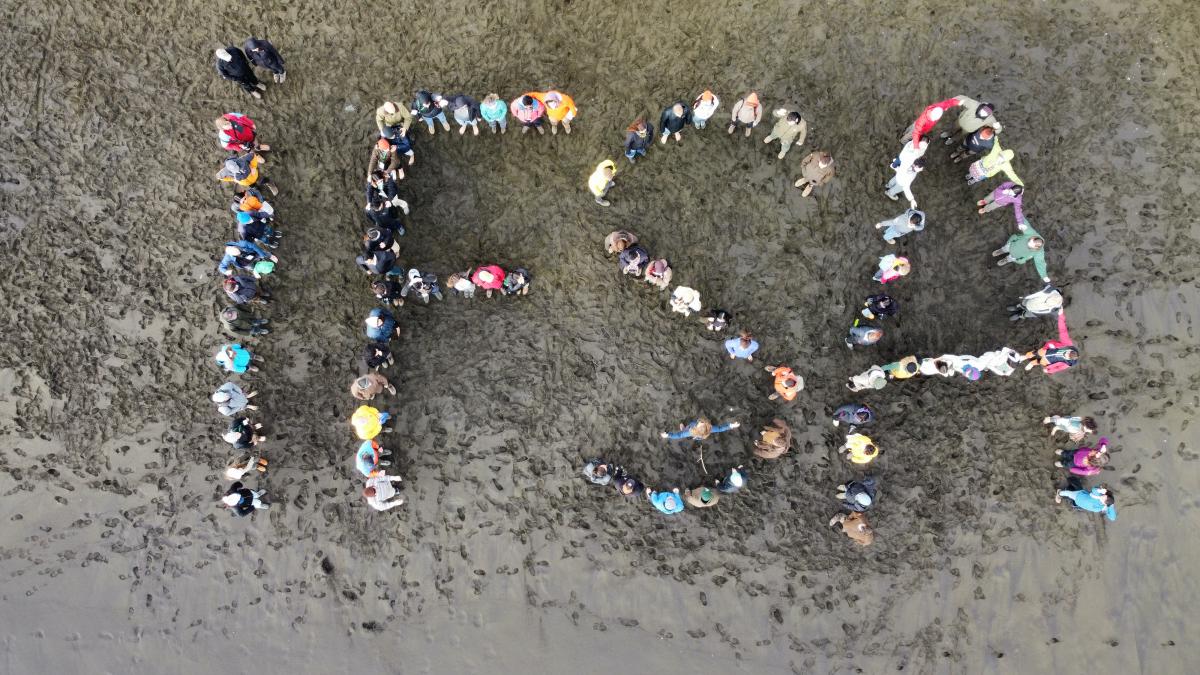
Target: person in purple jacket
(1084, 461)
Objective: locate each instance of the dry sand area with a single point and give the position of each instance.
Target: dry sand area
(115, 559)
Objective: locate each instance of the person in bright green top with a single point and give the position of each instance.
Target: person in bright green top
(1024, 246)
(997, 161)
(601, 181)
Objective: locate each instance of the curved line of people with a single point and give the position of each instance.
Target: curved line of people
(392, 284)
(245, 262)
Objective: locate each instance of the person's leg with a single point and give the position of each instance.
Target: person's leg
(428, 124)
(770, 137)
(908, 134)
(733, 125)
(475, 128)
(892, 189)
(504, 124)
(1000, 251)
(783, 151)
(540, 124)
(566, 125)
(554, 127)
(492, 126)
(441, 117)
(631, 155)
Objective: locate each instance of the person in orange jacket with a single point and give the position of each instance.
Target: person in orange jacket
(560, 109)
(787, 383)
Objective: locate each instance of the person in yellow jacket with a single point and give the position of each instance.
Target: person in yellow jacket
(368, 422)
(560, 109)
(859, 449)
(601, 181)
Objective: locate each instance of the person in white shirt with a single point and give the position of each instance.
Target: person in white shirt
(703, 108)
(379, 490)
(903, 180)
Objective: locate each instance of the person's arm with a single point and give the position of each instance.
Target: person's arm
(722, 428)
(257, 250)
(277, 65)
(1039, 263)
(682, 433)
(662, 121)
(737, 108)
(912, 201)
(379, 119)
(1085, 470)
(1063, 336)
(1110, 512)
(223, 267)
(384, 506)
(630, 137)
(803, 132)
(758, 114)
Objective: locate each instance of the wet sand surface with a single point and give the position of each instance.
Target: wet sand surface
(115, 559)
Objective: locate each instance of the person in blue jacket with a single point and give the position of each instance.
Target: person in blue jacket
(241, 255)
(430, 108)
(1097, 500)
(381, 325)
(699, 429)
(742, 347)
(669, 503)
(733, 481)
(256, 226)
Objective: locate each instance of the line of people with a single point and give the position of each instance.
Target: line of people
(244, 263)
(532, 110)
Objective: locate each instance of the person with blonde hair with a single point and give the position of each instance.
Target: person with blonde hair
(774, 440)
(699, 429)
(494, 111)
(243, 464)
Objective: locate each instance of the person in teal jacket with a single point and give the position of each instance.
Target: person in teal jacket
(669, 503)
(495, 112)
(1024, 246)
(235, 358)
(1097, 500)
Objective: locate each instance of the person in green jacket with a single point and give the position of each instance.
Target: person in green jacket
(1024, 246)
(790, 128)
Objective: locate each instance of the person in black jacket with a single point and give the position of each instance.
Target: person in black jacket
(242, 500)
(375, 355)
(674, 118)
(465, 111)
(242, 289)
(264, 55)
(638, 137)
(232, 65)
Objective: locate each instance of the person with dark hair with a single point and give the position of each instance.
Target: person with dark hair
(232, 65)
(1084, 461)
(529, 111)
(942, 365)
(787, 383)
(903, 369)
(367, 387)
(380, 239)
(242, 170)
(742, 347)
(638, 138)
(379, 491)
(430, 108)
(388, 291)
(673, 120)
(421, 286)
(633, 260)
(790, 129)
(745, 114)
(880, 306)
(382, 263)
(243, 501)
(236, 133)
(733, 480)
(560, 109)
(860, 449)
(381, 325)
(599, 472)
(816, 169)
(976, 143)
(911, 220)
(264, 55)
(853, 415)
(516, 282)
(393, 120)
(385, 158)
(858, 495)
(626, 484)
(465, 111)
(1076, 428)
(998, 160)
(242, 256)
(1056, 355)
(1022, 247)
(240, 321)
(257, 227)
(243, 289)
(903, 180)
(242, 434)
(1099, 499)
(1005, 193)
(243, 464)
(382, 193)
(974, 116)
(375, 355)
(717, 319)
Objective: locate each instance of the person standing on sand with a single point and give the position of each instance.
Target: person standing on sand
(685, 300)
(669, 503)
(516, 282)
(903, 180)
(243, 170)
(241, 256)
(626, 484)
(997, 161)
(860, 449)
(244, 501)
(242, 434)
(461, 284)
(232, 65)
(236, 320)
(942, 365)
(1076, 428)
(393, 120)
(746, 114)
(236, 133)
(863, 336)
(774, 440)
(231, 400)
(243, 289)
(903, 369)
(854, 526)
(375, 355)
(1056, 355)
(367, 387)
(787, 383)
(974, 116)
(977, 143)
(816, 169)
(370, 460)
(489, 278)
(717, 319)
(560, 109)
(872, 378)
(790, 129)
(909, 153)
(1097, 500)
(742, 347)
(601, 181)
(880, 306)
(1005, 193)
(599, 472)
(673, 120)
(422, 286)
(494, 111)
(385, 158)
(243, 464)
(733, 480)
(853, 415)
(639, 136)
(659, 273)
(618, 240)
(529, 111)
(1022, 247)
(1084, 461)
(257, 227)
(235, 358)
(927, 120)
(704, 107)
(891, 268)
(633, 260)
(911, 220)
(430, 108)
(858, 495)
(465, 111)
(379, 490)
(701, 497)
(381, 326)
(698, 430)
(264, 55)
(382, 263)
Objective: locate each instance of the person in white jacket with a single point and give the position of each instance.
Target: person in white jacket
(379, 490)
(685, 300)
(703, 108)
(903, 180)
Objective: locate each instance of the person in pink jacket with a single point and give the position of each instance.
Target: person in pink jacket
(1084, 461)
(488, 277)
(1056, 355)
(530, 110)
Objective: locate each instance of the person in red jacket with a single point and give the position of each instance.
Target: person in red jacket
(488, 277)
(1056, 355)
(927, 120)
(235, 133)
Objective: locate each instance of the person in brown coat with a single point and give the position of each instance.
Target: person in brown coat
(855, 526)
(775, 440)
(701, 497)
(619, 240)
(816, 169)
(366, 387)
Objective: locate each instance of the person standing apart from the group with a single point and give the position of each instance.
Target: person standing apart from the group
(746, 114)
(264, 55)
(638, 138)
(530, 112)
(790, 129)
(601, 181)
(430, 108)
(233, 66)
(560, 109)
(704, 107)
(902, 181)
(673, 120)
(816, 169)
(494, 111)
(787, 383)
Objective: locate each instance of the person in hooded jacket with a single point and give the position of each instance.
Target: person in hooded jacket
(516, 282)
(599, 472)
(243, 501)
(385, 158)
(430, 108)
(880, 306)
(381, 325)
(494, 111)
(235, 358)
(367, 387)
(375, 355)
(911, 220)
(243, 289)
(669, 503)
(560, 109)
(1042, 303)
(241, 256)
(257, 227)
(231, 399)
(243, 171)
(858, 495)
(421, 286)
(619, 240)
(659, 273)
(382, 263)
(236, 133)
(701, 497)
(816, 169)
(853, 415)
(733, 480)
(774, 440)
(529, 111)
(639, 136)
(387, 291)
(790, 129)
(704, 107)
(465, 111)
(489, 278)
(746, 114)
(372, 459)
(239, 321)
(977, 143)
(380, 239)
(264, 55)
(393, 121)
(232, 65)
(673, 120)
(382, 193)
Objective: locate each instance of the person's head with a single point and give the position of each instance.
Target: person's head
(745, 337)
(669, 502)
(825, 159)
(1070, 354)
(608, 171)
(903, 267)
(377, 176)
(639, 127)
(486, 276)
(382, 145)
(918, 164)
(1089, 425)
(677, 109)
(224, 55)
(971, 373)
(369, 493)
(553, 100)
(230, 285)
(915, 219)
(1017, 190)
(491, 98)
(1036, 243)
(984, 110)
(871, 450)
(793, 117)
(706, 495)
(986, 133)
(702, 429)
(220, 396)
(232, 436)
(527, 101)
(1097, 458)
(389, 107)
(790, 382)
(232, 251)
(424, 99)
(752, 99)
(222, 123)
(1109, 497)
(943, 367)
(910, 365)
(935, 114)
(229, 313)
(873, 335)
(379, 288)
(706, 96)
(414, 274)
(600, 470)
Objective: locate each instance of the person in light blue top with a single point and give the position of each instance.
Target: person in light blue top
(495, 112)
(242, 255)
(669, 503)
(381, 325)
(911, 220)
(742, 347)
(235, 359)
(699, 429)
(1097, 500)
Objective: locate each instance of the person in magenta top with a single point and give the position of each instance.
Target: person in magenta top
(488, 277)
(530, 111)
(928, 119)
(1056, 355)
(1006, 193)
(1084, 461)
